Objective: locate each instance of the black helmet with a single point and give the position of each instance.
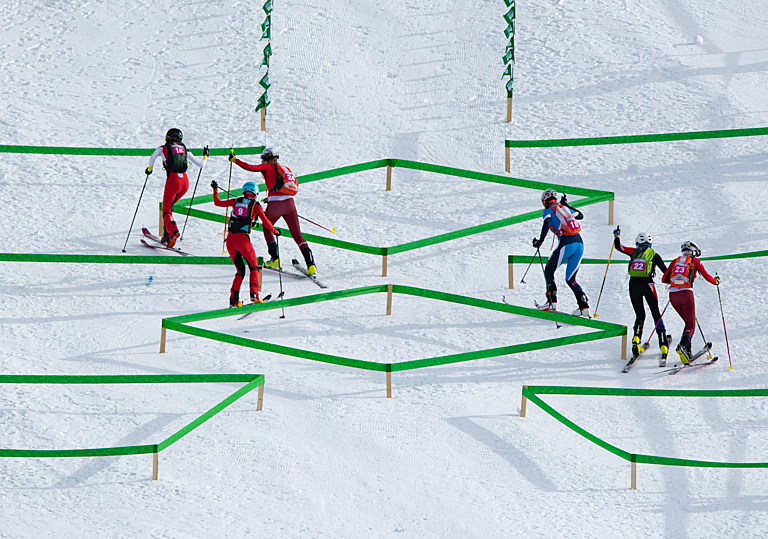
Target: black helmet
(269, 153)
(174, 134)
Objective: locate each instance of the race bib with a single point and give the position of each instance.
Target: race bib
(638, 264)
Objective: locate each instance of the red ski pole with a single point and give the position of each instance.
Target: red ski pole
(730, 368)
(331, 230)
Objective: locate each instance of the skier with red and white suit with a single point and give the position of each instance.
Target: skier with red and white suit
(175, 157)
(680, 276)
(563, 221)
(246, 210)
(282, 185)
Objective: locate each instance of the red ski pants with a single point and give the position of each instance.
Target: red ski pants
(685, 306)
(175, 187)
(239, 247)
(287, 210)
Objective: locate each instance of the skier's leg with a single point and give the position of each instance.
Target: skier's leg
(652, 300)
(574, 252)
(237, 260)
(682, 301)
(175, 188)
(636, 289)
(250, 257)
(555, 259)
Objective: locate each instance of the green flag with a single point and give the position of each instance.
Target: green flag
(507, 72)
(509, 16)
(267, 54)
(510, 3)
(510, 31)
(509, 57)
(265, 81)
(268, 7)
(263, 102)
(266, 29)
(509, 85)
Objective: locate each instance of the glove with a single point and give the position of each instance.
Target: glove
(148, 171)
(214, 185)
(717, 279)
(232, 157)
(265, 200)
(206, 153)
(563, 200)
(277, 232)
(537, 242)
(617, 232)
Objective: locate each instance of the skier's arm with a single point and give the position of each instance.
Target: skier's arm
(154, 156)
(229, 203)
(195, 161)
(250, 168)
(544, 229)
(626, 250)
(700, 268)
(576, 213)
(267, 224)
(667, 275)
(659, 262)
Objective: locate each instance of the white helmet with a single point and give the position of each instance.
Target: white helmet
(642, 238)
(690, 247)
(549, 194)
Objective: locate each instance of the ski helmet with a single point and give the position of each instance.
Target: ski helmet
(690, 247)
(174, 134)
(549, 194)
(642, 238)
(249, 187)
(269, 153)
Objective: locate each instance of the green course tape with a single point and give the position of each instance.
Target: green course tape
(126, 152)
(252, 380)
(116, 259)
(605, 329)
(634, 139)
(531, 392)
(525, 259)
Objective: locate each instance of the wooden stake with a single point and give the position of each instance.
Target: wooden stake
(260, 399)
(389, 178)
(610, 212)
(389, 300)
(263, 118)
(384, 266)
(389, 384)
(154, 466)
(162, 341)
(509, 109)
(261, 277)
(160, 221)
(506, 159)
(511, 274)
(624, 346)
(523, 403)
(634, 475)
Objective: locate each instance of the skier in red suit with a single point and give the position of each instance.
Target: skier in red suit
(246, 210)
(175, 156)
(282, 185)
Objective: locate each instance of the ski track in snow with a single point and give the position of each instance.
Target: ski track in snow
(353, 82)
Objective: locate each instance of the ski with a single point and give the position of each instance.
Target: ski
(691, 365)
(696, 356)
(163, 248)
(304, 271)
(265, 299)
(160, 245)
(559, 312)
(631, 362)
(286, 273)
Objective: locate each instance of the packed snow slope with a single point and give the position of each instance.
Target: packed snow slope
(354, 81)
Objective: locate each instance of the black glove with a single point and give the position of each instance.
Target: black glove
(277, 232)
(617, 232)
(206, 153)
(232, 157)
(214, 185)
(717, 279)
(563, 200)
(148, 171)
(537, 242)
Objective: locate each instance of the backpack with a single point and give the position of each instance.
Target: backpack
(286, 182)
(641, 262)
(240, 220)
(175, 157)
(682, 274)
(569, 226)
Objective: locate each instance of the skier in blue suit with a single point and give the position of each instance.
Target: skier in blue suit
(563, 221)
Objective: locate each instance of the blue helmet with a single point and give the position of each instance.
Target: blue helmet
(250, 187)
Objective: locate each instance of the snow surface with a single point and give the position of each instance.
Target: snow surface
(355, 81)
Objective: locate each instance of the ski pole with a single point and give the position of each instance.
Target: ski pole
(709, 355)
(332, 230)
(730, 368)
(280, 273)
(226, 210)
(189, 209)
(655, 327)
(604, 276)
(134, 213)
(522, 281)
